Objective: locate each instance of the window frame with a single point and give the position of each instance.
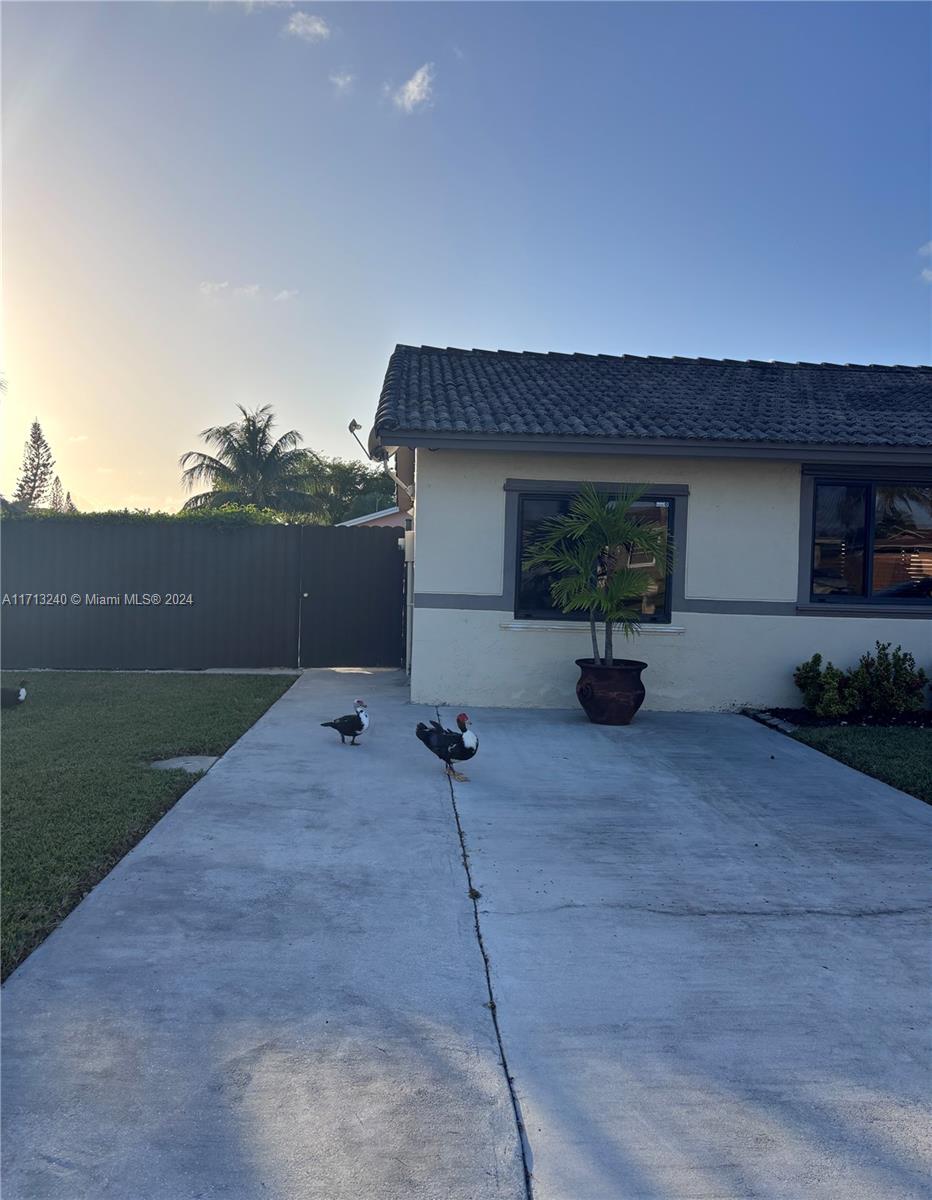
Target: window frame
(868, 600)
(662, 617)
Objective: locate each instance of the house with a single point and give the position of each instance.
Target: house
(384, 517)
(798, 497)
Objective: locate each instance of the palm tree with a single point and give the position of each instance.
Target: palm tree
(588, 553)
(249, 466)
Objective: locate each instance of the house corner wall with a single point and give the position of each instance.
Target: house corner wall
(740, 566)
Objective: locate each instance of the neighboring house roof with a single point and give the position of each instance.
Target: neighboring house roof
(370, 518)
(470, 395)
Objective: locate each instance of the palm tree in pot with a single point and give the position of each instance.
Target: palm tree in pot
(589, 551)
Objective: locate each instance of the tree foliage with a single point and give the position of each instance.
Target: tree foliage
(57, 497)
(349, 488)
(588, 551)
(250, 466)
(36, 471)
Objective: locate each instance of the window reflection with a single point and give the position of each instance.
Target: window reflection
(534, 599)
(902, 556)
(838, 549)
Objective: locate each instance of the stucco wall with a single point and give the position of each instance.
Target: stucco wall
(702, 661)
(743, 539)
(742, 545)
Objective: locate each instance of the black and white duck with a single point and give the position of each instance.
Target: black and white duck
(352, 725)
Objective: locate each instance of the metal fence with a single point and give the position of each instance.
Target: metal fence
(161, 595)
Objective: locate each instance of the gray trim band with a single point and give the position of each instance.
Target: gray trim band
(654, 490)
(452, 600)
(919, 456)
(897, 611)
(875, 473)
(737, 608)
(741, 608)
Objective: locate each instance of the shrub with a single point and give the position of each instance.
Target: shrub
(882, 686)
(826, 690)
(888, 684)
(808, 678)
(227, 516)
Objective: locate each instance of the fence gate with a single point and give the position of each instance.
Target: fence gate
(352, 605)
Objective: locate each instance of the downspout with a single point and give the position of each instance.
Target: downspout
(409, 590)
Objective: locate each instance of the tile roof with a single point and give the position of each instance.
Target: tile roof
(500, 392)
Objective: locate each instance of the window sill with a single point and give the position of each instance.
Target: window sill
(583, 627)
(865, 610)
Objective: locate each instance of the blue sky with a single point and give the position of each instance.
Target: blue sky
(203, 208)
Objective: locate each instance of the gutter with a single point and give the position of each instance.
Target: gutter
(387, 441)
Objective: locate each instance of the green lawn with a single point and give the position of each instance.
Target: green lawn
(76, 791)
(898, 756)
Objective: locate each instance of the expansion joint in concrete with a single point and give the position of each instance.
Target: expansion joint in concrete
(474, 896)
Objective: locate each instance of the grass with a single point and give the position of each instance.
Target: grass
(77, 792)
(898, 756)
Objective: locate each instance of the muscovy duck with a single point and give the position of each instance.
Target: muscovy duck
(450, 747)
(352, 725)
(11, 696)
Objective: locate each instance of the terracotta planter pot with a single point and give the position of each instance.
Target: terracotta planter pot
(610, 695)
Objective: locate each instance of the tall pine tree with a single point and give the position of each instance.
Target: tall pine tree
(36, 471)
(57, 498)
(69, 503)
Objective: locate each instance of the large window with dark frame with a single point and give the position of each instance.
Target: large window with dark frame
(532, 591)
(872, 542)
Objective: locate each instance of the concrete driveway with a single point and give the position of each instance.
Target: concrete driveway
(710, 957)
(706, 947)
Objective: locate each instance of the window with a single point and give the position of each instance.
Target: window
(532, 594)
(872, 542)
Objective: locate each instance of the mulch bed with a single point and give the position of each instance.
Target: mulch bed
(804, 718)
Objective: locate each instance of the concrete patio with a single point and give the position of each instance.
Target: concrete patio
(707, 947)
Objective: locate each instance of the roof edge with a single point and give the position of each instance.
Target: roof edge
(672, 360)
(387, 439)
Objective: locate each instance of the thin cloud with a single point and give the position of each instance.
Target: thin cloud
(342, 81)
(926, 252)
(418, 91)
(105, 470)
(307, 27)
(248, 6)
(245, 291)
(78, 437)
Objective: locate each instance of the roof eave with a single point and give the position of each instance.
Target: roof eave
(387, 440)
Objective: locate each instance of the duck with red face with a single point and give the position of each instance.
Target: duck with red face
(449, 746)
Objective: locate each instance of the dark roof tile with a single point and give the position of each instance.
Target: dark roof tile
(428, 390)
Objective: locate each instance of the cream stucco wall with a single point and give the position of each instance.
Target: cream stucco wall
(714, 661)
(743, 539)
(742, 545)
